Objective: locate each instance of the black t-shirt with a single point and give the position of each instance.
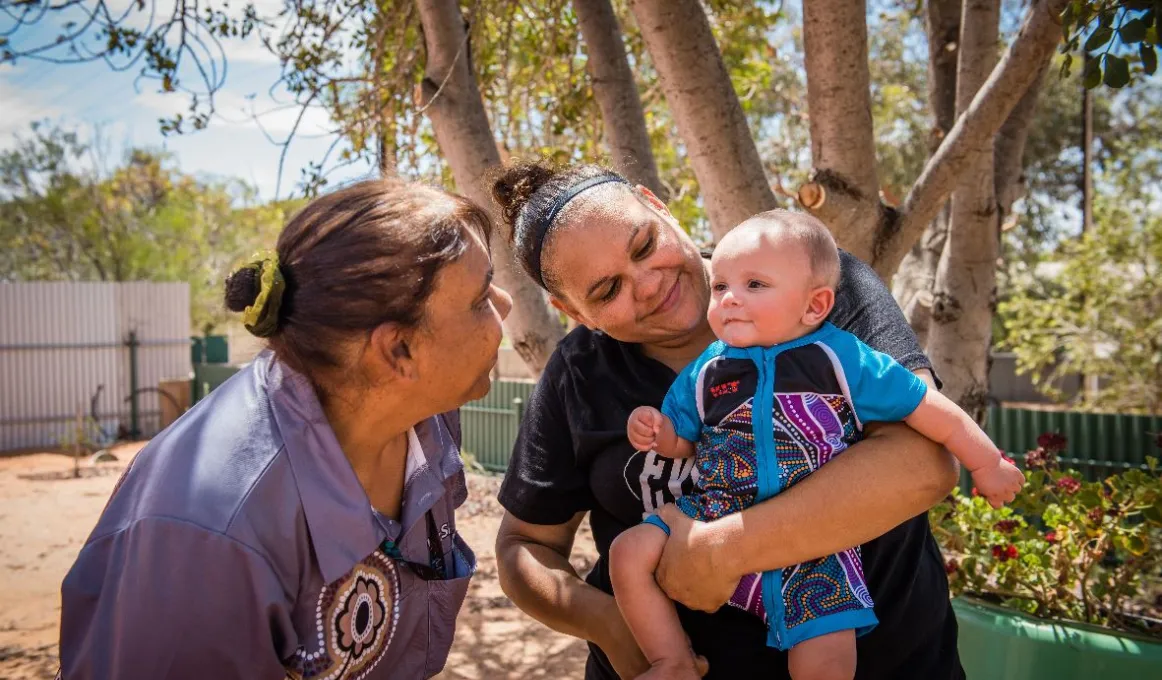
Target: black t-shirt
(572, 455)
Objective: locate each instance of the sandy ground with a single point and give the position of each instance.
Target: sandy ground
(46, 514)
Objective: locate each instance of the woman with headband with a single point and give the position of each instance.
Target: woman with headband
(613, 259)
(298, 522)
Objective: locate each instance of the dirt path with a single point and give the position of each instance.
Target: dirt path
(45, 516)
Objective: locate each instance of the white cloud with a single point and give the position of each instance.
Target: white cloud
(23, 104)
(165, 104)
(235, 110)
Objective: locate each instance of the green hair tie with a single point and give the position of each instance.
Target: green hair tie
(261, 318)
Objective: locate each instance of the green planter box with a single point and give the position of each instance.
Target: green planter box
(1001, 644)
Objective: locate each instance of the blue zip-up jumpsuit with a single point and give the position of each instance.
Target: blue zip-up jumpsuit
(819, 391)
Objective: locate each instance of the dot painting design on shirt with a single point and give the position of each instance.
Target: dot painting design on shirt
(356, 618)
(810, 429)
(819, 588)
(727, 468)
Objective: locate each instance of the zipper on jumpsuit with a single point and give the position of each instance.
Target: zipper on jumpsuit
(769, 480)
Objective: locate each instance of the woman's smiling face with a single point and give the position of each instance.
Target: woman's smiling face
(618, 261)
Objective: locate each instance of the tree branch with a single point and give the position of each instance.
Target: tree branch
(615, 89)
(465, 138)
(707, 111)
(1030, 50)
(844, 188)
(915, 278)
(1009, 148)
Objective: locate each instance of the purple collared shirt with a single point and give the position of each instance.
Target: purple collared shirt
(240, 544)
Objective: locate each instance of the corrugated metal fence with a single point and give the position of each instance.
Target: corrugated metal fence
(1099, 444)
(490, 424)
(61, 343)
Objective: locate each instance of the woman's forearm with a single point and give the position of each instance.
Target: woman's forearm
(534, 571)
(891, 476)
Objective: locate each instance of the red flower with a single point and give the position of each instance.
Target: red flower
(1051, 536)
(1005, 553)
(951, 566)
(1036, 459)
(1095, 515)
(1052, 441)
(1006, 526)
(1068, 485)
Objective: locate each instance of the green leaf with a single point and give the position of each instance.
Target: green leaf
(1089, 498)
(1117, 72)
(1133, 31)
(1091, 77)
(1068, 15)
(1149, 58)
(1098, 39)
(1153, 513)
(1137, 545)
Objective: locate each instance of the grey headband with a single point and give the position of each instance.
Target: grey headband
(541, 227)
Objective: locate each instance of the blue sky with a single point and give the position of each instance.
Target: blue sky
(125, 110)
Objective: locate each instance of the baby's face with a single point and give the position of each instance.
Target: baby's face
(760, 289)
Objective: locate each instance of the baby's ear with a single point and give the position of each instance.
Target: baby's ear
(819, 305)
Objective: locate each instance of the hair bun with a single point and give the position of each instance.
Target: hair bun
(242, 289)
(515, 184)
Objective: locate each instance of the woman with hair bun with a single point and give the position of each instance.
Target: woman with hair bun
(613, 258)
(298, 522)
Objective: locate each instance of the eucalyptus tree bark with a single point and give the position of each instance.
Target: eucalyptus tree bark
(843, 148)
(1009, 149)
(615, 90)
(915, 279)
(1026, 57)
(965, 297)
(707, 111)
(898, 229)
(451, 99)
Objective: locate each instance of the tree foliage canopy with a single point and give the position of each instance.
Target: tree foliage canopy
(64, 218)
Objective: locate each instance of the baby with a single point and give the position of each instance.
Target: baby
(781, 393)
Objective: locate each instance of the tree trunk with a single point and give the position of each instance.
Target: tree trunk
(616, 92)
(975, 127)
(706, 109)
(843, 149)
(453, 103)
(1009, 149)
(915, 279)
(962, 309)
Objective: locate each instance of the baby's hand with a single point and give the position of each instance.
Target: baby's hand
(998, 483)
(644, 424)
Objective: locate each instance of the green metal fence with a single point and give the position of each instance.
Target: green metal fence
(1100, 444)
(207, 377)
(490, 424)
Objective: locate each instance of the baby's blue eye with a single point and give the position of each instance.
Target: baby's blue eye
(719, 287)
(755, 284)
